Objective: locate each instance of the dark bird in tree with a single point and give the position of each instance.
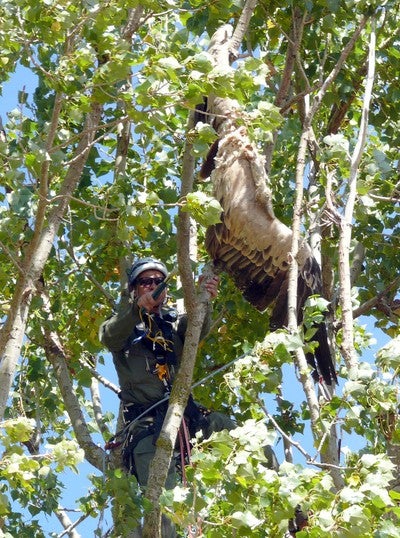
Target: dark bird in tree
(251, 244)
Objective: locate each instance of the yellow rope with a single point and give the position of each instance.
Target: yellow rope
(162, 370)
(158, 338)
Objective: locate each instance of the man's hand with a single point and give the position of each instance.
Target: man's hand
(150, 304)
(211, 285)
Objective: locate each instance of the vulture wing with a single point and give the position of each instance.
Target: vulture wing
(250, 243)
(253, 246)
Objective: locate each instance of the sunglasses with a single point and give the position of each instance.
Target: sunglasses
(147, 282)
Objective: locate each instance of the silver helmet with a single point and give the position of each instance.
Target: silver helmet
(145, 264)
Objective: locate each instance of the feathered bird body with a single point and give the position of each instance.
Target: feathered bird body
(253, 246)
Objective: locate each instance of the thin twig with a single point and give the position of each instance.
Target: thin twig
(97, 409)
(104, 381)
(281, 432)
(12, 257)
(70, 529)
(368, 305)
(90, 277)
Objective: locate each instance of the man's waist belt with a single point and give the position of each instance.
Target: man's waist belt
(132, 411)
(194, 413)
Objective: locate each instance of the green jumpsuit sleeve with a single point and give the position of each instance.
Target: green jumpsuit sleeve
(115, 331)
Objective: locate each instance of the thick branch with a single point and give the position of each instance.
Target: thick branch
(368, 305)
(56, 355)
(178, 401)
(291, 55)
(285, 83)
(242, 25)
(13, 331)
(180, 392)
(335, 71)
(69, 527)
(300, 358)
(135, 19)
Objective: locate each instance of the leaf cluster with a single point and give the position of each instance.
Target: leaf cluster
(77, 56)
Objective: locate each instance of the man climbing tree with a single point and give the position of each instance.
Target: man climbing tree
(146, 341)
(99, 159)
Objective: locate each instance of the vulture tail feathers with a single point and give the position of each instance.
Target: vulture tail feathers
(262, 289)
(209, 163)
(321, 361)
(265, 293)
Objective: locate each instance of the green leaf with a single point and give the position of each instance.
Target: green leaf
(338, 145)
(66, 453)
(245, 519)
(205, 209)
(4, 505)
(19, 430)
(202, 62)
(355, 515)
(170, 62)
(388, 357)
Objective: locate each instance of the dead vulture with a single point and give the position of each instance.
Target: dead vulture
(251, 244)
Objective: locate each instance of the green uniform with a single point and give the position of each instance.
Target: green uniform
(135, 362)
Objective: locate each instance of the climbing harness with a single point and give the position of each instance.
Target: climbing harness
(118, 438)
